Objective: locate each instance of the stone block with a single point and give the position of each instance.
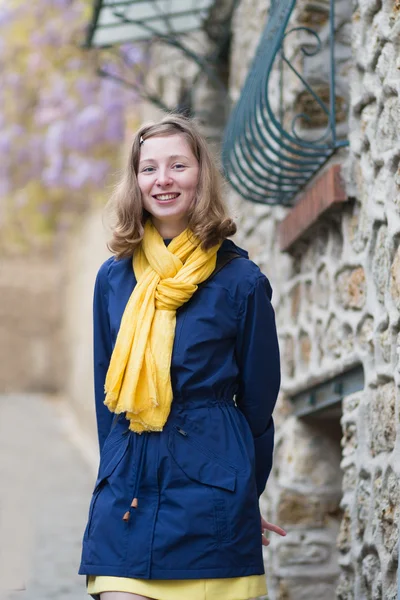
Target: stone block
(385, 344)
(388, 127)
(366, 334)
(309, 459)
(385, 67)
(351, 287)
(369, 8)
(283, 591)
(288, 362)
(322, 287)
(382, 421)
(309, 301)
(359, 224)
(316, 553)
(349, 478)
(305, 348)
(310, 588)
(350, 437)
(345, 589)
(312, 14)
(351, 403)
(388, 510)
(363, 501)
(295, 295)
(372, 576)
(333, 341)
(395, 279)
(344, 538)
(380, 263)
(377, 491)
(319, 339)
(304, 509)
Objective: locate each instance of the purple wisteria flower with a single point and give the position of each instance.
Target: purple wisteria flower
(132, 53)
(79, 172)
(99, 171)
(87, 129)
(52, 177)
(88, 89)
(63, 4)
(5, 184)
(115, 126)
(8, 139)
(6, 15)
(54, 142)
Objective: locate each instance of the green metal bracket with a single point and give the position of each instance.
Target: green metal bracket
(328, 393)
(265, 158)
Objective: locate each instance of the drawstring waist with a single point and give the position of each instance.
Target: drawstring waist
(143, 439)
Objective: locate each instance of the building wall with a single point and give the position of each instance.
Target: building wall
(337, 302)
(30, 316)
(86, 251)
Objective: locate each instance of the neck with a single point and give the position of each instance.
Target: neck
(169, 230)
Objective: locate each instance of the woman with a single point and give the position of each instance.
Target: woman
(186, 350)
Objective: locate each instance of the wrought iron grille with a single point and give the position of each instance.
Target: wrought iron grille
(126, 30)
(266, 158)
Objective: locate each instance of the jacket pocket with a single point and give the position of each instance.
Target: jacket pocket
(198, 463)
(112, 454)
(110, 458)
(201, 466)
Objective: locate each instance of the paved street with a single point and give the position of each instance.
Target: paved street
(47, 470)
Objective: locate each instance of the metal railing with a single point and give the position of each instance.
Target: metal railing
(268, 154)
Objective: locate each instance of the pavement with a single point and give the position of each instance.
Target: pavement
(47, 472)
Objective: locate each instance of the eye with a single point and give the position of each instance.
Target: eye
(147, 169)
(179, 166)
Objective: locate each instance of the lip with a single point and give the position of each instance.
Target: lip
(163, 202)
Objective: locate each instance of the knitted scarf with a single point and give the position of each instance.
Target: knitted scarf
(138, 379)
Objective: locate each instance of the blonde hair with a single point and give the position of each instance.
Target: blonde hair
(208, 219)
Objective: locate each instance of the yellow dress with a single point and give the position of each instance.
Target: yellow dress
(236, 588)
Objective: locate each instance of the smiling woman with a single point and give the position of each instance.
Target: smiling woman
(169, 156)
(168, 176)
(186, 358)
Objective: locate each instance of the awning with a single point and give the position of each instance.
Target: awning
(118, 21)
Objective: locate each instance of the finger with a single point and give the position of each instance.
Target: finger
(272, 527)
(265, 541)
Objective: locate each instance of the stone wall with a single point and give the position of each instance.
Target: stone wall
(337, 301)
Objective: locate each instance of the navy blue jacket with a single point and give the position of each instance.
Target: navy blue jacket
(198, 481)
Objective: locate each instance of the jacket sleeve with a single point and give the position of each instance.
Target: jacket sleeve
(102, 349)
(259, 373)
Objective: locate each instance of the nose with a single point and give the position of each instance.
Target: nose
(163, 179)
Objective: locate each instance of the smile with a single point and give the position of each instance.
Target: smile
(166, 197)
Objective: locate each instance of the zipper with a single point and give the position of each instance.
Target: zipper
(180, 430)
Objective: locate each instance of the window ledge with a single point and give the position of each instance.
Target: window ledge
(327, 191)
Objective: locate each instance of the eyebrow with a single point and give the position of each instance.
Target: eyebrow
(172, 157)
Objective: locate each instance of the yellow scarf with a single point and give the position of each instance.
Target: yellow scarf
(138, 379)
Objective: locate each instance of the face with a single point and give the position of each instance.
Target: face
(168, 175)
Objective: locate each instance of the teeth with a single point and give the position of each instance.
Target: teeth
(167, 196)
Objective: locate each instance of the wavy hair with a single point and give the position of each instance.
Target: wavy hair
(208, 219)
